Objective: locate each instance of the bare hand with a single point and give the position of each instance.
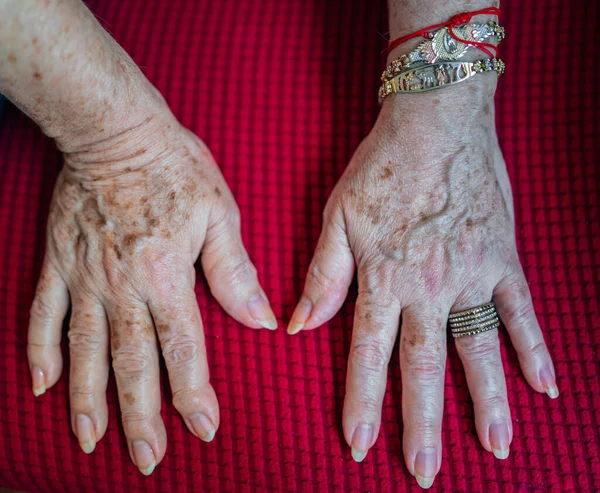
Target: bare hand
(129, 217)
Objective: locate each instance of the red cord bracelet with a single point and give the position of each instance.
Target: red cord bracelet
(454, 21)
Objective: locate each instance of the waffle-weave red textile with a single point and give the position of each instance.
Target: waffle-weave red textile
(283, 92)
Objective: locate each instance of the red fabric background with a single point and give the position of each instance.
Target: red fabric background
(283, 92)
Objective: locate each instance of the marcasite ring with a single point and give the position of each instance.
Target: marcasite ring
(474, 321)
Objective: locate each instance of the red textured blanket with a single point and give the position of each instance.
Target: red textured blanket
(283, 92)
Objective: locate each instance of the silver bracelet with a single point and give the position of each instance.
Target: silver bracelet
(441, 46)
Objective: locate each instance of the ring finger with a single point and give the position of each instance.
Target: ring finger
(480, 355)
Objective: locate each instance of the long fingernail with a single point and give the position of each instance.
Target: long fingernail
(300, 316)
(548, 381)
(203, 426)
(426, 467)
(38, 380)
(261, 311)
(500, 439)
(361, 440)
(84, 428)
(144, 457)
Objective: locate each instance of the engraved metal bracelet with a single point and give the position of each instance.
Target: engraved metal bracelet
(441, 46)
(437, 75)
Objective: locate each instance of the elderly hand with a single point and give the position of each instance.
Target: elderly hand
(129, 217)
(424, 210)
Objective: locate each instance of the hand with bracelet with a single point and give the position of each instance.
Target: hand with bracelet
(424, 210)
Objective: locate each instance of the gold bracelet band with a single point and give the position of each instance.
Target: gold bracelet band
(437, 75)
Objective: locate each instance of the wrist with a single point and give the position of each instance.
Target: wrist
(62, 69)
(427, 125)
(128, 102)
(467, 100)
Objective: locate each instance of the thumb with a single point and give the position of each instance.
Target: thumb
(232, 276)
(328, 278)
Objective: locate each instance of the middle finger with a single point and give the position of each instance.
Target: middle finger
(423, 363)
(135, 362)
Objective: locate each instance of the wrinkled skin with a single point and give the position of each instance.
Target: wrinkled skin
(424, 211)
(128, 219)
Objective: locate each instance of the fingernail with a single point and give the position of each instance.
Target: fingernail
(500, 439)
(300, 316)
(426, 467)
(203, 427)
(261, 311)
(144, 457)
(361, 440)
(84, 428)
(548, 381)
(38, 380)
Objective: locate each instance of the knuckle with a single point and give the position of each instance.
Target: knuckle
(187, 399)
(135, 417)
(180, 351)
(482, 348)
(427, 371)
(240, 272)
(520, 314)
(318, 277)
(84, 340)
(424, 362)
(130, 363)
(375, 279)
(428, 426)
(79, 393)
(42, 307)
(370, 355)
(369, 404)
(493, 401)
(228, 215)
(538, 349)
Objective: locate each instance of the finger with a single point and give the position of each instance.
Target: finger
(88, 345)
(515, 308)
(135, 362)
(375, 328)
(179, 326)
(480, 355)
(423, 362)
(328, 278)
(232, 276)
(48, 311)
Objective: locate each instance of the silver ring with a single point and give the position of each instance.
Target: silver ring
(474, 321)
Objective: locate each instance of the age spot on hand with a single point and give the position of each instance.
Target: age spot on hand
(415, 340)
(387, 173)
